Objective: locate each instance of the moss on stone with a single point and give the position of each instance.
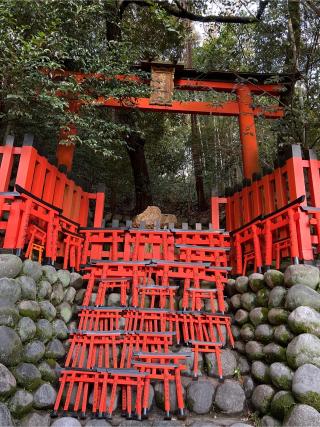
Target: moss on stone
(281, 404)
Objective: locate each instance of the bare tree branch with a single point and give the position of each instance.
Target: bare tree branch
(179, 11)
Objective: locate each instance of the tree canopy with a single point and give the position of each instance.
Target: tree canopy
(147, 154)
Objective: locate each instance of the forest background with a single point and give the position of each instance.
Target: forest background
(171, 161)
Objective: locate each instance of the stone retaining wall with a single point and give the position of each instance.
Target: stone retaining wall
(37, 304)
(277, 329)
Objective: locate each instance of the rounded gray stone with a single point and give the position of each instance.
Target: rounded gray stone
(262, 297)
(55, 349)
(302, 416)
(113, 300)
(281, 376)
(230, 397)
(34, 419)
(256, 282)
(66, 422)
(50, 273)
(254, 350)
(282, 335)
(235, 332)
(69, 295)
(44, 397)
(33, 351)
(243, 365)
(29, 308)
(228, 362)
(248, 300)
(229, 287)
(306, 385)
(10, 346)
(258, 315)
(260, 372)
(304, 319)
(274, 353)
(28, 376)
(304, 348)
(159, 396)
(10, 265)
(32, 269)
(10, 290)
(302, 274)
(278, 316)
(79, 296)
(242, 284)
(48, 311)
(261, 398)
(64, 277)
(60, 329)
(248, 386)
(64, 311)
(76, 280)
(199, 396)
(44, 330)
(302, 295)
(274, 278)
(241, 316)
(20, 403)
(97, 423)
(247, 332)
(268, 421)
(57, 294)
(26, 329)
(264, 333)
(240, 347)
(8, 382)
(44, 290)
(47, 371)
(235, 301)
(281, 404)
(277, 297)
(9, 314)
(28, 287)
(189, 362)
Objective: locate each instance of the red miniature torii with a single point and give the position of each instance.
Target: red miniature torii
(167, 77)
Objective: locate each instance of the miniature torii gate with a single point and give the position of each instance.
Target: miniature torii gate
(165, 78)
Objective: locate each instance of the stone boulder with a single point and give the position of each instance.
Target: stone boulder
(10, 290)
(261, 398)
(306, 385)
(159, 396)
(26, 329)
(278, 316)
(304, 319)
(66, 422)
(264, 333)
(44, 290)
(260, 372)
(248, 300)
(262, 297)
(199, 396)
(34, 419)
(282, 335)
(256, 282)
(9, 314)
(302, 274)
(28, 287)
(274, 353)
(277, 297)
(241, 316)
(64, 277)
(151, 215)
(281, 404)
(28, 376)
(302, 416)
(258, 315)
(44, 330)
(29, 308)
(20, 403)
(48, 311)
(44, 397)
(10, 347)
(76, 280)
(8, 383)
(301, 295)
(268, 421)
(50, 273)
(32, 269)
(10, 266)
(247, 332)
(33, 351)
(281, 376)
(228, 362)
(242, 284)
(274, 278)
(167, 219)
(254, 350)
(304, 348)
(230, 397)
(5, 416)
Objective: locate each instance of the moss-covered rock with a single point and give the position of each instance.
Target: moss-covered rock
(304, 348)
(9, 314)
(264, 333)
(274, 278)
(306, 385)
(277, 297)
(10, 266)
(258, 315)
(256, 282)
(241, 316)
(278, 316)
(262, 297)
(44, 330)
(247, 332)
(254, 350)
(28, 376)
(281, 376)
(282, 335)
(260, 372)
(248, 300)
(261, 398)
(281, 404)
(32, 269)
(304, 319)
(29, 308)
(10, 290)
(302, 274)
(301, 295)
(274, 353)
(235, 302)
(10, 347)
(242, 284)
(20, 403)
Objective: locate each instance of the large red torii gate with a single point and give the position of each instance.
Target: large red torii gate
(165, 78)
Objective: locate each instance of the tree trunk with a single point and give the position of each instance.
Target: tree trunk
(143, 195)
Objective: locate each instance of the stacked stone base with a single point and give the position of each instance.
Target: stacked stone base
(277, 329)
